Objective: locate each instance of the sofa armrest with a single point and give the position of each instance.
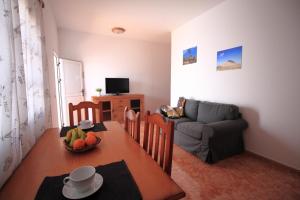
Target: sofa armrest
(222, 139)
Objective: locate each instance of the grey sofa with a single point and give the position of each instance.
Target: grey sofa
(211, 131)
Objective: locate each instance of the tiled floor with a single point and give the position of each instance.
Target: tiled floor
(243, 176)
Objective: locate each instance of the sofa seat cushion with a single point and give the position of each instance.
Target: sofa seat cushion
(180, 120)
(192, 129)
(191, 109)
(209, 112)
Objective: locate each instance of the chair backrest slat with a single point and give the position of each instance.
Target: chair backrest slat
(158, 140)
(162, 150)
(79, 114)
(169, 146)
(137, 127)
(85, 105)
(151, 130)
(71, 116)
(94, 114)
(86, 112)
(132, 123)
(146, 132)
(130, 131)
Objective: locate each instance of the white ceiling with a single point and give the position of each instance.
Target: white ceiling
(149, 20)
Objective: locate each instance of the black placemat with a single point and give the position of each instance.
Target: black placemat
(118, 183)
(97, 127)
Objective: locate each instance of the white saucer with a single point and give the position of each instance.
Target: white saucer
(86, 128)
(71, 193)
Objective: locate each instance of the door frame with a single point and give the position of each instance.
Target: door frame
(57, 72)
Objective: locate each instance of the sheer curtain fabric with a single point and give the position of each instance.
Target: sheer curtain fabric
(24, 91)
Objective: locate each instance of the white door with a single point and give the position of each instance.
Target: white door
(72, 85)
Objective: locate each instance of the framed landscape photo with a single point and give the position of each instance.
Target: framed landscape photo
(190, 56)
(229, 59)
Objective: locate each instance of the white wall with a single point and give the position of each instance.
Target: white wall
(267, 86)
(146, 64)
(51, 36)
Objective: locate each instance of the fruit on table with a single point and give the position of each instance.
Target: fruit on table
(74, 134)
(81, 133)
(78, 139)
(91, 133)
(91, 139)
(74, 137)
(78, 144)
(69, 136)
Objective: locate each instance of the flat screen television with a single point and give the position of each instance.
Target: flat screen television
(116, 85)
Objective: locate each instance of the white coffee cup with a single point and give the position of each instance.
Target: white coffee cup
(85, 124)
(81, 179)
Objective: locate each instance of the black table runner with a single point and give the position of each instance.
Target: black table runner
(118, 183)
(97, 127)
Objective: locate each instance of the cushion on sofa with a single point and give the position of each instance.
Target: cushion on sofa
(192, 129)
(213, 112)
(191, 109)
(169, 111)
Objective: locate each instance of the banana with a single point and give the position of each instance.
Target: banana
(81, 133)
(74, 137)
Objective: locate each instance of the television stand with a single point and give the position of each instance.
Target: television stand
(113, 105)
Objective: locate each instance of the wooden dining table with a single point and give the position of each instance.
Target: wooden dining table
(49, 157)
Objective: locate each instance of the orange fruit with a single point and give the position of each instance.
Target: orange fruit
(91, 133)
(90, 139)
(78, 144)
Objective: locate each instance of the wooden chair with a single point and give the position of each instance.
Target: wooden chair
(85, 105)
(132, 122)
(158, 140)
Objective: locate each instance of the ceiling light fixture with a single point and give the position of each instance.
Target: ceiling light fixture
(118, 30)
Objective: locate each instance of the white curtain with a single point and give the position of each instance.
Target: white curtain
(24, 92)
(35, 66)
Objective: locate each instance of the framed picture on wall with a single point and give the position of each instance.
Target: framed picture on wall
(229, 59)
(190, 56)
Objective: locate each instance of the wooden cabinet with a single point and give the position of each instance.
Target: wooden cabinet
(113, 105)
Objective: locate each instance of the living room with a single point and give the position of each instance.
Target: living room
(150, 53)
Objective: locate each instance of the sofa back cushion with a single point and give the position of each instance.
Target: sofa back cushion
(191, 109)
(213, 112)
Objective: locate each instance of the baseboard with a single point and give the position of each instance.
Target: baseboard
(273, 162)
